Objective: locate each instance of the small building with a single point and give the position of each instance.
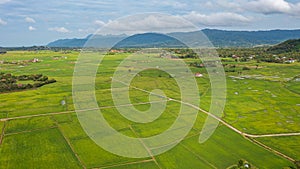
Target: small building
(235, 57)
(35, 60)
(168, 56)
(291, 60)
(198, 74)
(251, 57)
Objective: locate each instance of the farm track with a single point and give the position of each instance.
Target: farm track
(70, 145)
(72, 111)
(147, 148)
(198, 156)
(118, 165)
(2, 132)
(29, 131)
(222, 121)
(245, 135)
(250, 137)
(169, 99)
(270, 149)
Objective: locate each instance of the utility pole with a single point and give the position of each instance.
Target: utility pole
(66, 102)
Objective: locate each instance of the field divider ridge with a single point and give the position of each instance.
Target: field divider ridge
(129, 163)
(2, 132)
(147, 148)
(29, 131)
(271, 149)
(69, 144)
(245, 135)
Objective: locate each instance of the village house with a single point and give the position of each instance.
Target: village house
(235, 56)
(291, 60)
(34, 60)
(198, 74)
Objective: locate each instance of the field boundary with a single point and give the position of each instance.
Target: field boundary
(169, 99)
(198, 156)
(2, 132)
(147, 148)
(129, 163)
(29, 131)
(245, 135)
(70, 145)
(270, 149)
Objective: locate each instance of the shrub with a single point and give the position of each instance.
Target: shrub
(246, 68)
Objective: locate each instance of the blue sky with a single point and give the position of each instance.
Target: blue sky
(36, 22)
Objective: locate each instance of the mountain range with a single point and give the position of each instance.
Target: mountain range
(219, 38)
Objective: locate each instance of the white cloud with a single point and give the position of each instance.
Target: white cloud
(2, 22)
(31, 28)
(147, 23)
(29, 20)
(60, 29)
(4, 1)
(233, 5)
(99, 23)
(270, 6)
(266, 7)
(217, 19)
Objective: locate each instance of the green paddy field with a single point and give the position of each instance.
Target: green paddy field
(39, 132)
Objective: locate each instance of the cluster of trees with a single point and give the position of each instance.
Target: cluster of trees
(286, 47)
(197, 64)
(280, 53)
(260, 54)
(9, 82)
(183, 52)
(242, 164)
(241, 52)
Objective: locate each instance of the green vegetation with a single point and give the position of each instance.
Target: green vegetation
(285, 47)
(262, 98)
(39, 149)
(9, 83)
(242, 164)
(287, 145)
(28, 124)
(225, 147)
(293, 85)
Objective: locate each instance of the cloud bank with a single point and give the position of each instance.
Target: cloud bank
(217, 19)
(29, 20)
(59, 29)
(2, 22)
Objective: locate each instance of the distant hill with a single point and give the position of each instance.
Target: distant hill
(222, 38)
(68, 43)
(96, 40)
(219, 38)
(149, 40)
(285, 47)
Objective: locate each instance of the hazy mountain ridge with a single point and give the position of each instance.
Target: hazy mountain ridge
(219, 38)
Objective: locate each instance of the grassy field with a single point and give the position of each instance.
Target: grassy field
(261, 106)
(259, 101)
(39, 149)
(287, 145)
